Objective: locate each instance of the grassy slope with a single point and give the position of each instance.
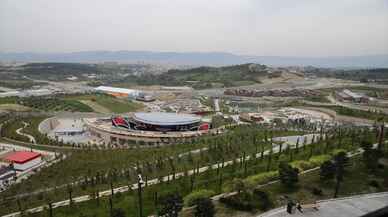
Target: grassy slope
(127, 201)
(111, 103)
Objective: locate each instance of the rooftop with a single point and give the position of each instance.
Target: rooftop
(161, 118)
(22, 156)
(116, 89)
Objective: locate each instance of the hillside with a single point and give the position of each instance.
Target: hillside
(197, 58)
(208, 77)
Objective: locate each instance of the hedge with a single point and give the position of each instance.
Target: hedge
(261, 178)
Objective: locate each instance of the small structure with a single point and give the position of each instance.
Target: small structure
(23, 160)
(145, 98)
(6, 175)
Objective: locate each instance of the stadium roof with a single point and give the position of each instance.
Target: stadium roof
(21, 157)
(117, 90)
(165, 119)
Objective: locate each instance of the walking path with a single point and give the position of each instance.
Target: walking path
(30, 137)
(353, 206)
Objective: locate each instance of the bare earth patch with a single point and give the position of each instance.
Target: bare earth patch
(95, 106)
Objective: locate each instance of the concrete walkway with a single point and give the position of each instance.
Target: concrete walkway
(342, 207)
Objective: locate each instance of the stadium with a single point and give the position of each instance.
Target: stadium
(148, 128)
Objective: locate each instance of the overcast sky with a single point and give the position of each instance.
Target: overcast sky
(254, 27)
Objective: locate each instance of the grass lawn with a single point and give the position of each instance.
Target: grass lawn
(113, 104)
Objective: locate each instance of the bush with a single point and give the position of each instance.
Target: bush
(261, 178)
(193, 198)
(316, 191)
(204, 208)
(263, 199)
(319, 159)
(374, 183)
(337, 151)
(302, 165)
(238, 202)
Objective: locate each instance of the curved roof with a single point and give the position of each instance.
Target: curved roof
(165, 119)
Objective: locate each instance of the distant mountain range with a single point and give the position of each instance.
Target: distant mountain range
(197, 58)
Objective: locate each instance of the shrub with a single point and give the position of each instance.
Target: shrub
(238, 202)
(193, 198)
(261, 178)
(319, 159)
(374, 184)
(263, 199)
(316, 191)
(302, 165)
(204, 208)
(288, 175)
(337, 151)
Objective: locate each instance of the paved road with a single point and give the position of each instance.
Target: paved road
(342, 207)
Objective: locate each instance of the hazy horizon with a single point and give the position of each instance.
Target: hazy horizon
(248, 27)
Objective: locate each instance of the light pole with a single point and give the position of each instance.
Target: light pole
(139, 183)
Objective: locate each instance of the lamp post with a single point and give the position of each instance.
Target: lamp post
(139, 184)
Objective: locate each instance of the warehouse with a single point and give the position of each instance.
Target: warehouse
(23, 160)
(118, 92)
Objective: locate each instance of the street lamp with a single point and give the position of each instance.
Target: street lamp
(139, 184)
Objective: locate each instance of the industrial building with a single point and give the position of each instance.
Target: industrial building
(349, 96)
(118, 92)
(23, 160)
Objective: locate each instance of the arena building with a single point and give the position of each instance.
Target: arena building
(148, 128)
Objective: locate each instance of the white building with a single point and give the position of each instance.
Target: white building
(118, 92)
(23, 160)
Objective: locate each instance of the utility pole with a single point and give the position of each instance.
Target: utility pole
(139, 183)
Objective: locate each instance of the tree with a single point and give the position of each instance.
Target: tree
(370, 155)
(171, 204)
(288, 175)
(327, 170)
(340, 162)
(239, 185)
(204, 208)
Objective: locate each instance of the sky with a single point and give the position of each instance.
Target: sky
(249, 27)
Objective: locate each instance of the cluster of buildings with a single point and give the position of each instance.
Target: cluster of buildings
(350, 96)
(286, 115)
(274, 93)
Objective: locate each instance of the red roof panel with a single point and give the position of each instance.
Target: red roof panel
(22, 156)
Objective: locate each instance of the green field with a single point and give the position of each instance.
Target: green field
(113, 104)
(73, 103)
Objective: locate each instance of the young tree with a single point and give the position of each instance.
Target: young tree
(239, 185)
(327, 170)
(370, 155)
(204, 208)
(288, 175)
(340, 162)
